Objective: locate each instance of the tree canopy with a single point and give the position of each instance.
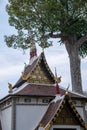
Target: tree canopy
(41, 19)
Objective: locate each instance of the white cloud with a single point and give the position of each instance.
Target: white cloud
(10, 71)
(57, 59)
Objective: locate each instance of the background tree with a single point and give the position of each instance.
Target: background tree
(40, 20)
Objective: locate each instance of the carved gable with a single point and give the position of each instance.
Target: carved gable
(40, 75)
(65, 117)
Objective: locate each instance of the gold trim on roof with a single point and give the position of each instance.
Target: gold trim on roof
(73, 108)
(43, 56)
(86, 126)
(24, 76)
(56, 112)
(41, 125)
(48, 127)
(27, 76)
(77, 114)
(10, 86)
(40, 60)
(67, 90)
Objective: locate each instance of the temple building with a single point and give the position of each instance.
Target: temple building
(38, 102)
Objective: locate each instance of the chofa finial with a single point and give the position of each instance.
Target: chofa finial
(57, 79)
(33, 53)
(41, 126)
(42, 49)
(24, 76)
(10, 87)
(67, 89)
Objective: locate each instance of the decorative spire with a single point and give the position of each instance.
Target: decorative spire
(56, 81)
(67, 90)
(33, 53)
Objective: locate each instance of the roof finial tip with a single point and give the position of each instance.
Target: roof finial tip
(33, 53)
(42, 49)
(67, 89)
(57, 81)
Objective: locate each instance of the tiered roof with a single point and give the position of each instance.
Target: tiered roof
(38, 80)
(61, 111)
(38, 68)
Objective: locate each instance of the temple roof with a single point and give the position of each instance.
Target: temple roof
(38, 80)
(65, 105)
(37, 90)
(31, 68)
(45, 90)
(27, 70)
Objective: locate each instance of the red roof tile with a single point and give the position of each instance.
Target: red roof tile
(37, 90)
(55, 108)
(44, 90)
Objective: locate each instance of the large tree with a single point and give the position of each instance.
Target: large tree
(40, 20)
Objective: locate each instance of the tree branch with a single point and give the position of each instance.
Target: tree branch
(51, 35)
(81, 40)
(54, 35)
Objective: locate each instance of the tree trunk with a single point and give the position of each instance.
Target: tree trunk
(75, 64)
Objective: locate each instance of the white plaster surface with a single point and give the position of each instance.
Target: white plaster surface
(28, 117)
(80, 111)
(6, 118)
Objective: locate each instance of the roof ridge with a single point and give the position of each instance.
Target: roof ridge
(65, 99)
(73, 92)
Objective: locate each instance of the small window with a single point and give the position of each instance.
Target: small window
(27, 100)
(45, 100)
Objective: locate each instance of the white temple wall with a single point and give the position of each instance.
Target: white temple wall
(6, 118)
(81, 111)
(28, 116)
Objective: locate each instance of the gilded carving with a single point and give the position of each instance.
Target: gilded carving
(39, 76)
(65, 118)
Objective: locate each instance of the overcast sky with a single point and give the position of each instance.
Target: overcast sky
(12, 61)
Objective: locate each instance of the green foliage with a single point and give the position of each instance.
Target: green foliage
(83, 49)
(35, 19)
